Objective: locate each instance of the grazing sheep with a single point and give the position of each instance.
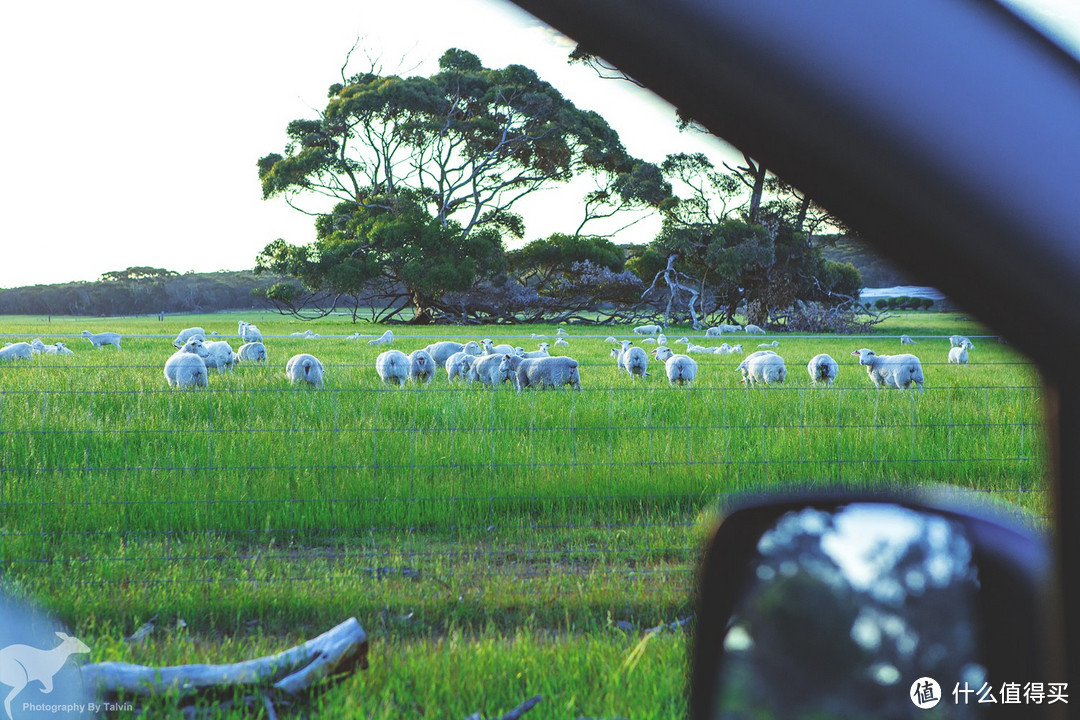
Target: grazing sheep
(958, 340)
(458, 365)
(907, 340)
(561, 342)
(248, 332)
(753, 330)
(763, 367)
(187, 334)
(442, 350)
(494, 369)
(822, 369)
(187, 367)
(422, 367)
(680, 369)
(714, 332)
(304, 368)
(251, 352)
(221, 355)
(16, 351)
(99, 340)
(542, 352)
(636, 362)
(774, 343)
(387, 338)
(959, 355)
(546, 372)
(393, 366)
(648, 330)
(897, 371)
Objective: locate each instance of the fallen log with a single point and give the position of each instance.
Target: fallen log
(337, 650)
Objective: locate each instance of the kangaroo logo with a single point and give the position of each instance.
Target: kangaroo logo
(21, 664)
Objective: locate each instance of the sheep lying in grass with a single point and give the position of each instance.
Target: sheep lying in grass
(40, 348)
(187, 367)
(897, 371)
(386, 338)
(680, 369)
(561, 342)
(17, 351)
(458, 365)
(494, 369)
(249, 333)
(763, 367)
(959, 355)
(542, 352)
(546, 372)
(822, 369)
(186, 334)
(251, 352)
(907, 340)
(490, 348)
(393, 367)
(99, 340)
(304, 368)
(774, 343)
(221, 356)
(422, 367)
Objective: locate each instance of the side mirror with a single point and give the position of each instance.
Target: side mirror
(870, 607)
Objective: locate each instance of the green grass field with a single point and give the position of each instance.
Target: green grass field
(489, 542)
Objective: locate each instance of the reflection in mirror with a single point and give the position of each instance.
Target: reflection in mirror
(849, 607)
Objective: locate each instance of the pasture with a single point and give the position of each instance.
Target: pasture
(494, 545)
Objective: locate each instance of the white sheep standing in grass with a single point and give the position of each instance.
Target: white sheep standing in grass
(555, 372)
(186, 334)
(751, 329)
(387, 338)
(221, 355)
(680, 369)
(764, 367)
(17, 351)
(304, 368)
(251, 352)
(714, 332)
(648, 330)
(494, 369)
(636, 362)
(822, 369)
(959, 340)
(897, 371)
(248, 332)
(393, 367)
(99, 340)
(441, 351)
(187, 367)
(959, 355)
(422, 367)
(458, 365)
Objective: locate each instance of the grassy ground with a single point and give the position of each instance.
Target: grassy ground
(490, 543)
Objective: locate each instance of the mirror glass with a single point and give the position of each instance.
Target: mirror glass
(849, 609)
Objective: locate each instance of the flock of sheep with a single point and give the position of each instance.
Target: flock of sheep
(491, 364)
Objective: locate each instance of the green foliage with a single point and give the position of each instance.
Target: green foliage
(541, 261)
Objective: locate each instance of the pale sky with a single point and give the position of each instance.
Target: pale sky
(132, 129)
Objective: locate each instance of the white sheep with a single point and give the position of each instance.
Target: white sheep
(186, 334)
(422, 367)
(724, 349)
(636, 362)
(17, 351)
(40, 348)
(765, 367)
(693, 348)
(714, 332)
(648, 330)
(251, 352)
(458, 365)
(561, 333)
(539, 337)
(248, 332)
(907, 340)
(958, 340)
(494, 369)
(554, 372)
(610, 339)
(561, 342)
(542, 352)
(753, 330)
(680, 369)
(822, 369)
(959, 355)
(393, 366)
(490, 348)
(99, 340)
(897, 371)
(221, 355)
(306, 334)
(650, 340)
(442, 350)
(187, 367)
(304, 368)
(387, 338)
(37, 346)
(774, 343)
(661, 339)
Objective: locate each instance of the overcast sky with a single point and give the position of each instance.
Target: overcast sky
(132, 128)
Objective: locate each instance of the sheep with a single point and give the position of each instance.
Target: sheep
(648, 330)
(897, 371)
(40, 348)
(422, 367)
(539, 337)
(17, 351)
(561, 342)
(393, 366)
(774, 343)
(714, 332)
(823, 369)
(561, 333)
(387, 338)
(304, 368)
(692, 348)
(959, 340)
(221, 355)
(959, 355)
(187, 367)
(753, 330)
(542, 352)
(766, 367)
(491, 348)
(650, 340)
(306, 334)
(37, 346)
(494, 369)
(99, 340)
(680, 369)
(458, 365)
(724, 349)
(907, 340)
(553, 372)
(440, 351)
(636, 362)
(661, 339)
(248, 332)
(619, 353)
(610, 339)
(251, 352)
(188, 333)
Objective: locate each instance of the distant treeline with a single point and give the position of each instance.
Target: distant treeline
(875, 271)
(143, 291)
